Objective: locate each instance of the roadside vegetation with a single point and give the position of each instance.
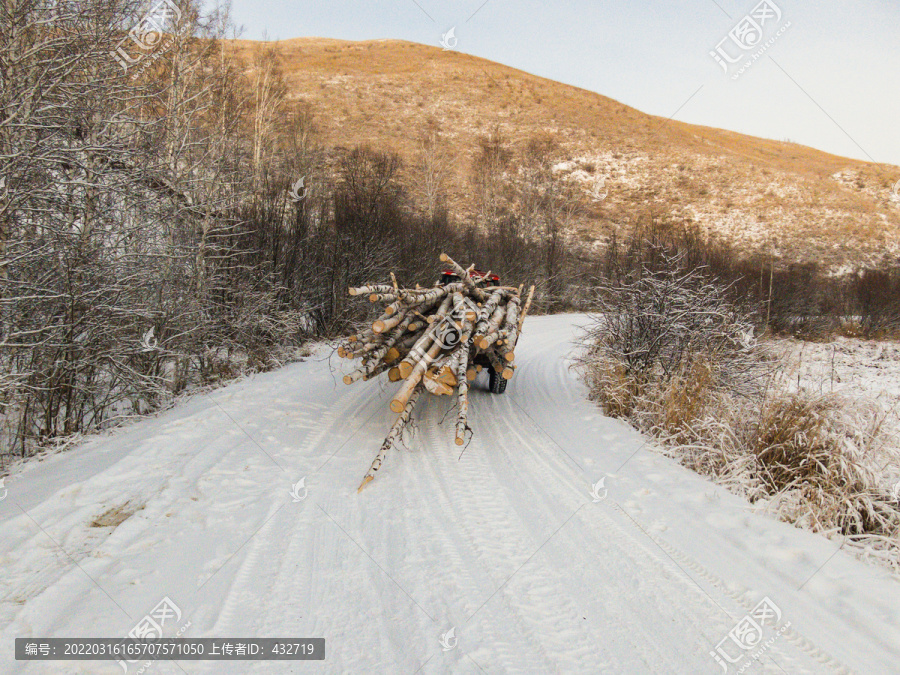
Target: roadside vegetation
(675, 350)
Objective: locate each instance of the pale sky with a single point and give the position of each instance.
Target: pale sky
(830, 77)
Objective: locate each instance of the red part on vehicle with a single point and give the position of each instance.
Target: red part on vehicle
(450, 275)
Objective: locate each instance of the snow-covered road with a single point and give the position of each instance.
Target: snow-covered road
(506, 545)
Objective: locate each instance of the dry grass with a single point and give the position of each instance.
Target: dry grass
(820, 458)
(685, 396)
(116, 515)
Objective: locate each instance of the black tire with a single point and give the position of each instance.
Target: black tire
(498, 382)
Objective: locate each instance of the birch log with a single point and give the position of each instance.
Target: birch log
(402, 396)
(462, 404)
(395, 433)
(466, 278)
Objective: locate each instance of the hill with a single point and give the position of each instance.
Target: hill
(760, 195)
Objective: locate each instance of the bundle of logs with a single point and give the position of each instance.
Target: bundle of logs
(437, 340)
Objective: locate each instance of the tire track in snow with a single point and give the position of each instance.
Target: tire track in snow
(269, 558)
(540, 376)
(557, 488)
(462, 498)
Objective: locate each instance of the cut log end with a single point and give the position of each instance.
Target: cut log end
(508, 373)
(397, 406)
(406, 369)
(448, 377)
(510, 356)
(437, 388)
(459, 440)
(394, 374)
(471, 373)
(444, 257)
(348, 379)
(378, 326)
(366, 481)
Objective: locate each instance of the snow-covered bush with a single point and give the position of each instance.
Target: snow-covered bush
(670, 329)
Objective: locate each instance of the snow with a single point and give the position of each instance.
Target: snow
(864, 370)
(512, 544)
(861, 368)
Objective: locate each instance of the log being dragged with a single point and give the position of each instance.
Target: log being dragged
(462, 404)
(393, 435)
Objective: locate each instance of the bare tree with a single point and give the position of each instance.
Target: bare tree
(71, 133)
(269, 94)
(488, 169)
(547, 207)
(654, 322)
(432, 169)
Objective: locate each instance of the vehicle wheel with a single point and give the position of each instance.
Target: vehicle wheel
(498, 382)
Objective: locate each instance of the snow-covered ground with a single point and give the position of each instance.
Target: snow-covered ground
(513, 544)
(865, 370)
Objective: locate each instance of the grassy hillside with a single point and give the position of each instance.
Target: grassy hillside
(760, 195)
